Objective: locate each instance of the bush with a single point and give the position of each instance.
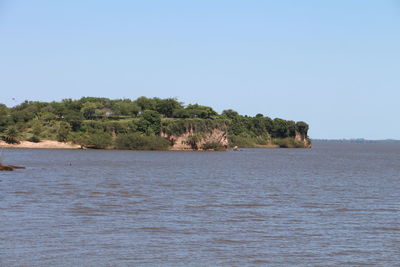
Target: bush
(79, 138)
(241, 141)
(263, 140)
(302, 127)
(11, 136)
(288, 143)
(136, 141)
(97, 140)
(150, 122)
(100, 140)
(246, 140)
(193, 140)
(34, 139)
(63, 131)
(213, 146)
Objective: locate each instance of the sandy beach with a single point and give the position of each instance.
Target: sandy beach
(45, 144)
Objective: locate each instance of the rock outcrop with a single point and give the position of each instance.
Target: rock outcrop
(9, 167)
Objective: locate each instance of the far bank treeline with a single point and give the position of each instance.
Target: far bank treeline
(144, 124)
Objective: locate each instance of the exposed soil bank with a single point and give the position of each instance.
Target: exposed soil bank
(192, 140)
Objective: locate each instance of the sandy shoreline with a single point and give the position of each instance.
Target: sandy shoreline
(45, 144)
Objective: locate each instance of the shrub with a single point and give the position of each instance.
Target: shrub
(213, 146)
(79, 138)
(288, 143)
(241, 141)
(34, 139)
(150, 122)
(193, 140)
(11, 136)
(97, 139)
(63, 130)
(136, 141)
(263, 140)
(302, 127)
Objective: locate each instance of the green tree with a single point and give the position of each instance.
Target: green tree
(291, 128)
(237, 126)
(167, 106)
(258, 125)
(11, 135)
(230, 114)
(22, 115)
(63, 131)
(89, 110)
(198, 111)
(280, 128)
(58, 109)
(125, 108)
(150, 122)
(74, 118)
(37, 127)
(146, 103)
(302, 127)
(181, 113)
(5, 119)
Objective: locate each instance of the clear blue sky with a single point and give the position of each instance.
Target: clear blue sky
(334, 64)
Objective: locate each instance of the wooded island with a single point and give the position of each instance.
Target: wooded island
(145, 124)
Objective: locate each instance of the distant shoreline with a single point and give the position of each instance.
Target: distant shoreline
(356, 141)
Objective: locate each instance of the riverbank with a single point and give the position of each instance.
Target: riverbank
(51, 144)
(143, 124)
(45, 144)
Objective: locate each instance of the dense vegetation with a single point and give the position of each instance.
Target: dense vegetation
(127, 124)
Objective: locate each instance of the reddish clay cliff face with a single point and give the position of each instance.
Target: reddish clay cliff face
(192, 140)
(303, 139)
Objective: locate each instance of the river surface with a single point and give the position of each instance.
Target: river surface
(333, 205)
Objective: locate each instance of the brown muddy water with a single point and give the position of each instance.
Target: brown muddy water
(333, 205)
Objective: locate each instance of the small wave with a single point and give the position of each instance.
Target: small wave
(387, 229)
(155, 229)
(352, 210)
(238, 205)
(348, 252)
(355, 263)
(24, 192)
(87, 211)
(260, 262)
(96, 193)
(311, 206)
(231, 241)
(249, 205)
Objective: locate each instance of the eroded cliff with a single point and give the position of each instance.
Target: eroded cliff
(215, 139)
(303, 138)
